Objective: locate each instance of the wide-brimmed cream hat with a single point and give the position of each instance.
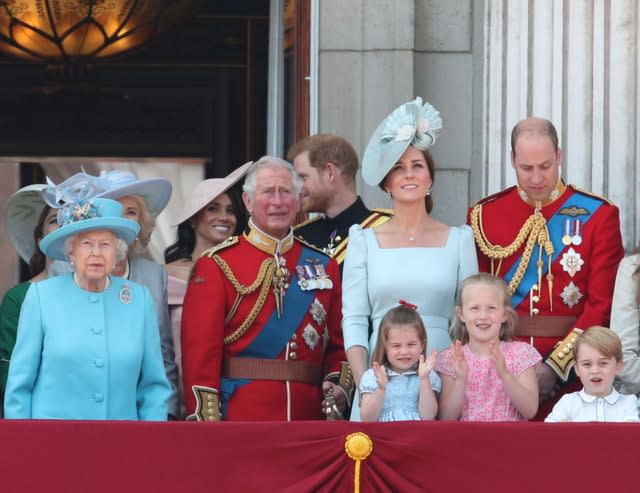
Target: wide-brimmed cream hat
(120, 183)
(207, 190)
(412, 123)
(21, 214)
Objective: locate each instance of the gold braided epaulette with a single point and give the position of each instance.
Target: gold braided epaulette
(533, 231)
(384, 212)
(262, 281)
(491, 198)
(310, 220)
(210, 252)
(590, 194)
(310, 245)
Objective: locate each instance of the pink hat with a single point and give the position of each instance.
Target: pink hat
(208, 190)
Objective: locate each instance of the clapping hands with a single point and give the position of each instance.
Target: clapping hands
(498, 358)
(426, 364)
(380, 373)
(458, 361)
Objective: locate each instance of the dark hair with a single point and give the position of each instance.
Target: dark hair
(431, 166)
(38, 260)
(534, 126)
(186, 236)
(327, 148)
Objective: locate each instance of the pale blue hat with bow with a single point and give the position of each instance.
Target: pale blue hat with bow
(120, 183)
(414, 123)
(80, 211)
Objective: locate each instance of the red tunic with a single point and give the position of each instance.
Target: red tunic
(504, 214)
(210, 297)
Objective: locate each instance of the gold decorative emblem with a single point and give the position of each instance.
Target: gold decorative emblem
(571, 262)
(571, 295)
(318, 312)
(280, 283)
(311, 336)
(574, 211)
(358, 446)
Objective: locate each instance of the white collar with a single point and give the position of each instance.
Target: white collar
(588, 398)
(410, 371)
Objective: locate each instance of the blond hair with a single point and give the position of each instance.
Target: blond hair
(399, 315)
(147, 225)
(602, 339)
(459, 330)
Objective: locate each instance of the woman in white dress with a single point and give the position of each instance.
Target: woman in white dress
(412, 257)
(625, 321)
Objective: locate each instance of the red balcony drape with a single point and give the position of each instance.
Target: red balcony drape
(448, 457)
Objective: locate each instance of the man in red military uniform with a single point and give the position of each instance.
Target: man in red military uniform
(558, 247)
(261, 335)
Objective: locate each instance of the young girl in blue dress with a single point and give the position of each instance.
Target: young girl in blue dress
(401, 384)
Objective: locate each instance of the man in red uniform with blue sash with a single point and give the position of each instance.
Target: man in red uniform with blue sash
(557, 247)
(261, 335)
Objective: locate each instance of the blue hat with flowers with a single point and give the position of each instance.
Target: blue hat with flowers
(79, 211)
(414, 123)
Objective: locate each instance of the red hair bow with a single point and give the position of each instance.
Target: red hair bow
(409, 305)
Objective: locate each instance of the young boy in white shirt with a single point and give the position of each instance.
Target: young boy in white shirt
(597, 354)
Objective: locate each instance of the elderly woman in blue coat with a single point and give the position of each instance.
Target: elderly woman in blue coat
(88, 345)
(142, 200)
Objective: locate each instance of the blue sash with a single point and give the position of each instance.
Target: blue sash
(555, 224)
(277, 331)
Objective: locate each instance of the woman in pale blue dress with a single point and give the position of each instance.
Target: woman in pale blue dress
(412, 256)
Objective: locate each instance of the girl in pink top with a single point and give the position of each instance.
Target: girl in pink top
(486, 375)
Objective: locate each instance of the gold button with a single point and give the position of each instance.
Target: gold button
(293, 355)
(561, 356)
(293, 346)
